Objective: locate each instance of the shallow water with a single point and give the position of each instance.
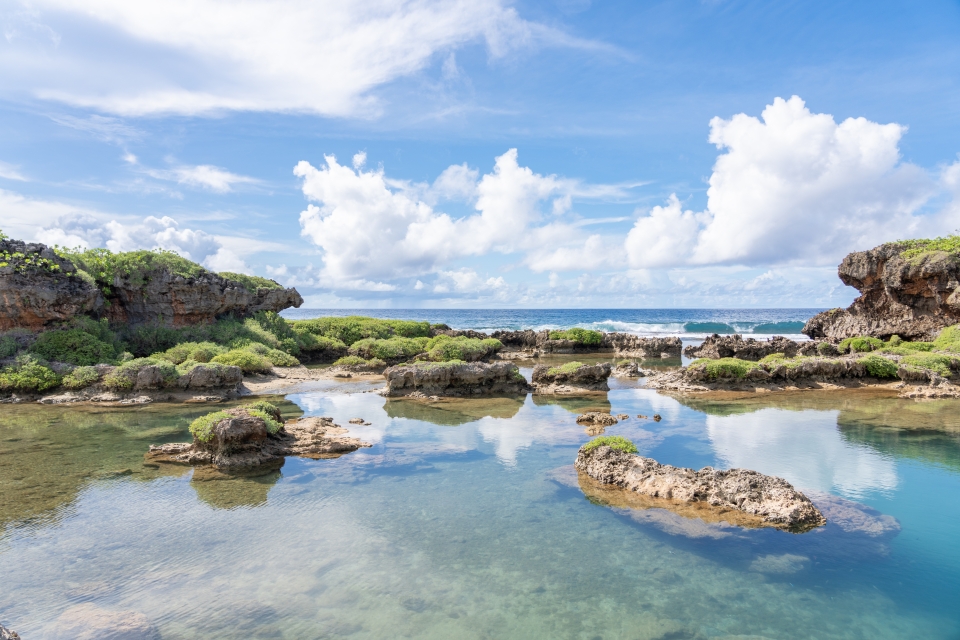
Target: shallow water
(464, 520)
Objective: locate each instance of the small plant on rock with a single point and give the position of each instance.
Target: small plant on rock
(617, 443)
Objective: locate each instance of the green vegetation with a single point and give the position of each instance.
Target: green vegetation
(202, 428)
(443, 348)
(250, 283)
(350, 329)
(73, 346)
(948, 340)
(438, 365)
(879, 367)
(860, 344)
(564, 369)
(916, 250)
(8, 346)
(618, 443)
(942, 364)
(725, 367)
(134, 267)
(268, 417)
(124, 377)
(28, 374)
(81, 377)
(585, 337)
(357, 361)
(390, 348)
(23, 262)
(196, 351)
(248, 361)
(777, 359)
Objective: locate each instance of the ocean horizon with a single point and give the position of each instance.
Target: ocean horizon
(691, 324)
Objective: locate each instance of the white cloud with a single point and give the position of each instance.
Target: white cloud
(369, 230)
(11, 172)
(101, 127)
(210, 177)
(466, 281)
(197, 56)
(794, 186)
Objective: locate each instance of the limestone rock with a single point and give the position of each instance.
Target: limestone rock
(773, 500)
(206, 376)
(40, 288)
(241, 443)
(596, 418)
(586, 377)
(453, 379)
(631, 346)
(734, 346)
(912, 298)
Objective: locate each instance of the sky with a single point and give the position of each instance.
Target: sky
(487, 153)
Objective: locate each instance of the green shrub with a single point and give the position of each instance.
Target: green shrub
(81, 377)
(618, 443)
(725, 367)
(942, 364)
(134, 267)
(567, 368)
(73, 346)
(202, 428)
(895, 341)
(915, 250)
(879, 367)
(860, 344)
(948, 339)
(443, 347)
(272, 425)
(351, 329)
(276, 357)
(248, 361)
(8, 346)
(250, 283)
(389, 349)
(28, 374)
(357, 361)
(196, 351)
(124, 376)
(585, 337)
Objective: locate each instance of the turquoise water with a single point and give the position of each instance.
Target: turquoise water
(465, 521)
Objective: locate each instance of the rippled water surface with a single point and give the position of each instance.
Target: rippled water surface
(465, 521)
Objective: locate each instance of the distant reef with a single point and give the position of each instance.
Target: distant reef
(908, 288)
(40, 286)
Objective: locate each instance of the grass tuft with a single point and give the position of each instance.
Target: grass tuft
(618, 443)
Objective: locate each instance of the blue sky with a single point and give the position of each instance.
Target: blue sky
(560, 153)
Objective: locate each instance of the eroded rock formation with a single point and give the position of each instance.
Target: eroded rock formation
(534, 343)
(772, 500)
(454, 379)
(913, 297)
(241, 442)
(37, 287)
(586, 377)
(735, 346)
(596, 418)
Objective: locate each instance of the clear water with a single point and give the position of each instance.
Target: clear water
(464, 521)
(686, 323)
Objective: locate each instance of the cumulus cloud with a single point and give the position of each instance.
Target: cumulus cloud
(466, 281)
(370, 227)
(791, 185)
(197, 56)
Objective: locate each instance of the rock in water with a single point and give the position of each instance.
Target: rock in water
(87, 621)
(454, 379)
(596, 418)
(913, 297)
(571, 378)
(717, 346)
(241, 442)
(773, 500)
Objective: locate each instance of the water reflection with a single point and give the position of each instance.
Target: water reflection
(805, 447)
(454, 411)
(576, 404)
(49, 454)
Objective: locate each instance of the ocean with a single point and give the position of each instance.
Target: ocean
(689, 324)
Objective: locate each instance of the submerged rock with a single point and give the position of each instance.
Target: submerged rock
(87, 621)
(734, 346)
(571, 378)
(238, 440)
(773, 500)
(454, 379)
(913, 297)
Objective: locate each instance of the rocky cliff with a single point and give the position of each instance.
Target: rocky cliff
(909, 289)
(39, 287)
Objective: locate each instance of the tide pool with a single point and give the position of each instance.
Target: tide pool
(465, 520)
